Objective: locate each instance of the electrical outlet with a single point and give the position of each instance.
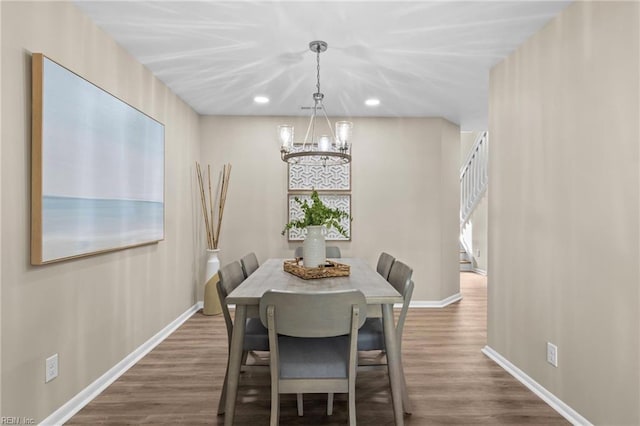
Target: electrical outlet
(552, 354)
(51, 368)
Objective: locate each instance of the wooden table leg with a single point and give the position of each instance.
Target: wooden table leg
(235, 359)
(393, 361)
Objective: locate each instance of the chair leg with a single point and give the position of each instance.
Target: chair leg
(352, 407)
(406, 402)
(223, 394)
(245, 355)
(275, 409)
(300, 405)
(329, 404)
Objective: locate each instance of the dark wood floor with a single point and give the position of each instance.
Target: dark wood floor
(450, 381)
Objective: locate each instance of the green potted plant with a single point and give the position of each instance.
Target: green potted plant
(316, 216)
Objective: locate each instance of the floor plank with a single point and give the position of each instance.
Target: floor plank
(450, 381)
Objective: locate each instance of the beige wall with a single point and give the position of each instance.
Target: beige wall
(564, 209)
(448, 193)
(467, 139)
(406, 204)
(96, 310)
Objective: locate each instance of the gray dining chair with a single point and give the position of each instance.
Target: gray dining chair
(313, 337)
(371, 335)
(249, 264)
(256, 337)
(332, 252)
(384, 264)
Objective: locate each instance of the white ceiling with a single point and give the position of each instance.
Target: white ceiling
(420, 58)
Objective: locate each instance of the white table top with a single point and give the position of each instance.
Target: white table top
(271, 275)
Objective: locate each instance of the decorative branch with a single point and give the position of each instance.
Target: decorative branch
(213, 231)
(226, 174)
(204, 207)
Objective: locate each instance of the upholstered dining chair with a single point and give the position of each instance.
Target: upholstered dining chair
(249, 264)
(256, 337)
(371, 335)
(384, 264)
(331, 252)
(313, 338)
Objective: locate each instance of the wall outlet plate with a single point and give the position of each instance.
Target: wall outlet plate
(552, 354)
(51, 368)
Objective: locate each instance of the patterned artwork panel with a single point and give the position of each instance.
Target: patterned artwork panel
(340, 201)
(307, 178)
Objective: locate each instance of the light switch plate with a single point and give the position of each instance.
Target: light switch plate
(51, 368)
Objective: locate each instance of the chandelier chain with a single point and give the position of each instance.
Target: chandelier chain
(318, 69)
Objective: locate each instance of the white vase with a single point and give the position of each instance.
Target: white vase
(313, 248)
(211, 301)
(213, 264)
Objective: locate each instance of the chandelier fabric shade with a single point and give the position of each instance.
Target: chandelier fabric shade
(330, 147)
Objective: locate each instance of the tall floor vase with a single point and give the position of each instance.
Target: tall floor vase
(313, 247)
(211, 300)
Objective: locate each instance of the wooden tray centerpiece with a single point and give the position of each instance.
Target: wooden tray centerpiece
(329, 270)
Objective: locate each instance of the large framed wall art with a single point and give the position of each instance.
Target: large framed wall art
(97, 169)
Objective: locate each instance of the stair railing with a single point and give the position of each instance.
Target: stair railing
(474, 180)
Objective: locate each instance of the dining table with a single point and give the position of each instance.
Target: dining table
(379, 294)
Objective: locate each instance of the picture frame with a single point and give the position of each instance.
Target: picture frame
(332, 200)
(307, 178)
(97, 168)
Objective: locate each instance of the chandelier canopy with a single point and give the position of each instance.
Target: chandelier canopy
(326, 149)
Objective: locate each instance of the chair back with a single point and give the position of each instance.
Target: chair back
(330, 251)
(333, 252)
(231, 276)
(384, 264)
(313, 342)
(249, 264)
(318, 314)
(400, 279)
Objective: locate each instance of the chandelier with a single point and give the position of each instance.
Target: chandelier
(328, 147)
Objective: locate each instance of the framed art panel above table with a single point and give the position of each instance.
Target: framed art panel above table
(340, 201)
(320, 178)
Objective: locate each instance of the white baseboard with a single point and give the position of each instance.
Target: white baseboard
(480, 271)
(434, 303)
(75, 404)
(553, 401)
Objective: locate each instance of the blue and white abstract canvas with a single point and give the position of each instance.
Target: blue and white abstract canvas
(102, 170)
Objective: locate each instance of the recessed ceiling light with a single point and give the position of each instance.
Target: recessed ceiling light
(261, 100)
(372, 102)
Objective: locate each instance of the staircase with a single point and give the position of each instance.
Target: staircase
(474, 179)
(465, 262)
